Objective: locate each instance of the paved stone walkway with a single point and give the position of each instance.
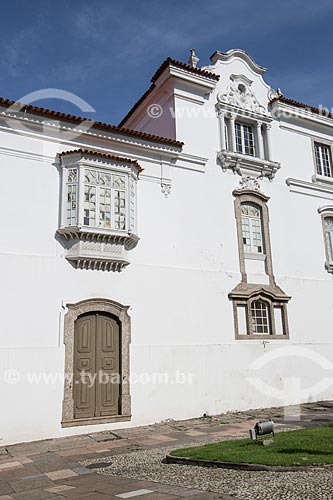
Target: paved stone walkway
(51, 468)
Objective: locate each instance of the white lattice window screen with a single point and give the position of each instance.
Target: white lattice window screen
(328, 223)
(260, 317)
(71, 202)
(104, 200)
(252, 228)
(244, 139)
(323, 160)
(119, 189)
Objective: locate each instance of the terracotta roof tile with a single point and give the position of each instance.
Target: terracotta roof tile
(92, 152)
(172, 62)
(95, 124)
(307, 107)
(168, 62)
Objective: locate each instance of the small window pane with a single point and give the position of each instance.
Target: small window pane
(71, 205)
(89, 218)
(105, 208)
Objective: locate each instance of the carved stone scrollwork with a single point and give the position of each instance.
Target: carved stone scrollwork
(274, 94)
(89, 250)
(239, 94)
(250, 183)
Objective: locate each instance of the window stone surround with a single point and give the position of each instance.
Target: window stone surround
(260, 199)
(317, 178)
(326, 212)
(244, 293)
(121, 313)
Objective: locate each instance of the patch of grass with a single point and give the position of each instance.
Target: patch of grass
(312, 446)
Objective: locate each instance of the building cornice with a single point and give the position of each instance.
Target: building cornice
(87, 153)
(27, 112)
(241, 54)
(284, 107)
(316, 189)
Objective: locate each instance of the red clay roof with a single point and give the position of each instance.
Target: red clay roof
(172, 62)
(298, 104)
(95, 124)
(168, 62)
(92, 152)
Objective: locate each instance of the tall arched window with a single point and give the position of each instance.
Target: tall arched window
(260, 306)
(252, 228)
(327, 222)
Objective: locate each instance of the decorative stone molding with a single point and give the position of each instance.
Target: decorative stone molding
(239, 105)
(121, 313)
(249, 183)
(194, 59)
(240, 54)
(240, 95)
(242, 164)
(88, 250)
(273, 94)
(245, 291)
(317, 189)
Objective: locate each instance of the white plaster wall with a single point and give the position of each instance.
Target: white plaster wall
(177, 285)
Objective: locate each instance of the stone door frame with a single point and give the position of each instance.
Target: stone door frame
(121, 313)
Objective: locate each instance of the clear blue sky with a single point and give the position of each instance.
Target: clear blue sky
(106, 51)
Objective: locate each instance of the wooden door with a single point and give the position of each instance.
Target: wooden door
(96, 366)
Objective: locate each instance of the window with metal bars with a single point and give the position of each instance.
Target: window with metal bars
(245, 143)
(323, 160)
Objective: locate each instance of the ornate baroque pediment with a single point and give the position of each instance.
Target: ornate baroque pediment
(239, 94)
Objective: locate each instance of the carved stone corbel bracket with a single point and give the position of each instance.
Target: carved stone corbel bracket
(165, 188)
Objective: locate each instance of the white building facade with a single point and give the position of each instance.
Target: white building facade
(178, 264)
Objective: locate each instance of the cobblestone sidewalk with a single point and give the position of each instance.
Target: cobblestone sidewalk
(53, 468)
